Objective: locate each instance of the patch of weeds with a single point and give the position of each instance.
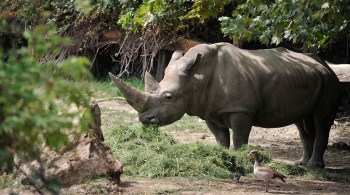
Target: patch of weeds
(100, 89)
(316, 173)
(188, 124)
(135, 82)
(289, 170)
(167, 191)
(107, 89)
(7, 181)
(96, 184)
(112, 119)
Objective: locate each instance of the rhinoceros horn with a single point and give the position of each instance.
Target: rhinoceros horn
(137, 99)
(151, 85)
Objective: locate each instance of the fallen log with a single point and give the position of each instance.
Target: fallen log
(88, 157)
(342, 71)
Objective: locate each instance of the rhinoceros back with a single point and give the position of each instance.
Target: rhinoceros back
(277, 86)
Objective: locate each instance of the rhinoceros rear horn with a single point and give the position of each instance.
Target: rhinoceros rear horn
(151, 85)
(134, 97)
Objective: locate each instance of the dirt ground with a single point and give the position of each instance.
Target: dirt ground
(283, 144)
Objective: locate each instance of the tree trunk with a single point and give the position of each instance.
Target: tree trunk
(161, 65)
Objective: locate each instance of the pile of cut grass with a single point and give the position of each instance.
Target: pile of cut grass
(147, 152)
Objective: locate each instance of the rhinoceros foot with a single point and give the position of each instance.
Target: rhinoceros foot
(301, 162)
(311, 163)
(315, 164)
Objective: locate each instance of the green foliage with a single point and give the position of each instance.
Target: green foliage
(92, 16)
(205, 9)
(311, 23)
(38, 103)
(314, 24)
(161, 14)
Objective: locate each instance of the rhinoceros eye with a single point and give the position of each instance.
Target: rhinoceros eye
(167, 95)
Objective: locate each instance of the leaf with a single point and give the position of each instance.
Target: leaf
(276, 39)
(295, 39)
(325, 5)
(264, 39)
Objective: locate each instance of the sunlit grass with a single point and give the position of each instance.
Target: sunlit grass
(187, 124)
(163, 157)
(107, 89)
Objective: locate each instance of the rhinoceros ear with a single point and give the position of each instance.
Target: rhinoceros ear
(176, 55)
(188, 63)
(151, 85)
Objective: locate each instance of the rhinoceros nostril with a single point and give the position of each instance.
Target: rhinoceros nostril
(149, 117)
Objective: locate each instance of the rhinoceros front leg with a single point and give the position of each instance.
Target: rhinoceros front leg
(322, 128)
(222, 134)
(241, 124)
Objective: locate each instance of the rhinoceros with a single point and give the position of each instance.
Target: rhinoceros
(232, 88)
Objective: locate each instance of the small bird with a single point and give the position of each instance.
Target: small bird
(263, 172)
(237, 176)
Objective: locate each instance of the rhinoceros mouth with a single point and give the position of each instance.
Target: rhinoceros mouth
(149, 119)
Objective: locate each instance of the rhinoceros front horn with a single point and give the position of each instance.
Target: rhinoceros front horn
(134, 97)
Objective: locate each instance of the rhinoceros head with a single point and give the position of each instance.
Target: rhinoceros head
(164, 102)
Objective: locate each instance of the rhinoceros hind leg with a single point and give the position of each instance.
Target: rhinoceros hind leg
(306, 129)
(323, 127)
(222, 134)
(324, 116)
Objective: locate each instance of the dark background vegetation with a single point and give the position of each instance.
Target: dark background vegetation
(126, 37)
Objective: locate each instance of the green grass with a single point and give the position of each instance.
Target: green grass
(107, 89)
(7, 181)
(296, 171)
(147, 152)
(188, 124)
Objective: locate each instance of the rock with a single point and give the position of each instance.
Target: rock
(89, 157)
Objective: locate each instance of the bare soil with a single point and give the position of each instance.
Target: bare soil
(283, 144)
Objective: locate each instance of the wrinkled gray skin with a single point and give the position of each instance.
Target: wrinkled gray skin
(231, 88)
